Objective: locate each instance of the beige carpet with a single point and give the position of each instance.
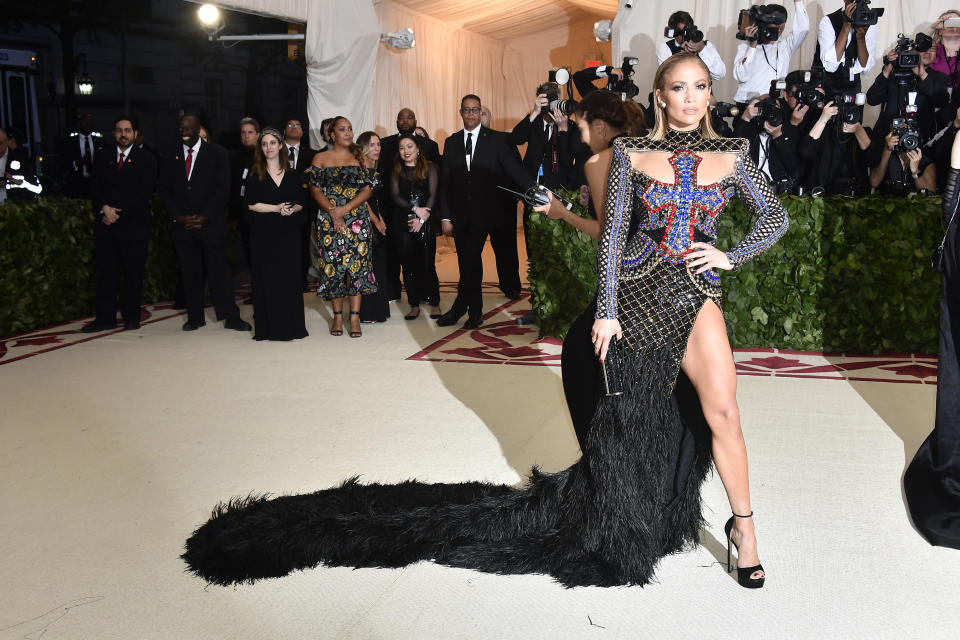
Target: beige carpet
(115, 449)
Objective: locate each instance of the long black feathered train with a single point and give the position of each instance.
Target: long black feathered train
(633, 497)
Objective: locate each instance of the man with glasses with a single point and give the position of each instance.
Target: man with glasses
(476, 161)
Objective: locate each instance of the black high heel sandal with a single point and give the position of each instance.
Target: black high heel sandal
(337, 332)
(355, 334)
(744, 575)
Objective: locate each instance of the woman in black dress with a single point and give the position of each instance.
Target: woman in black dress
(413, 187)
(274, 198)
(932, 481)
(375, 306)
(634, 495)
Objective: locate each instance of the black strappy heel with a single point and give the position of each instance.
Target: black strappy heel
(744, 574)
(337, 332)
(355, 334)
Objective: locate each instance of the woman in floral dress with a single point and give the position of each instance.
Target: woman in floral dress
(341, 187)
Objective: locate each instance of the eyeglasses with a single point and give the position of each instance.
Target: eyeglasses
(294, 125)
(470, 110)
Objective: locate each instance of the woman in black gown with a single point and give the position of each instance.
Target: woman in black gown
(932, 481)
(602, 118)
(414, 189)
(634, 495)
(376, 305)
(274, 198)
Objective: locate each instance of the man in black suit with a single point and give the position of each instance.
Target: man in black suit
(241, 161)
(123, 181)
(406, 123)
(301, 157)
(194, 182)
(476, 160)
(82, 147)
(546, 135)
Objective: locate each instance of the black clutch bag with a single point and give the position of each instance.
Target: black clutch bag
(937, 261)
(612, 373)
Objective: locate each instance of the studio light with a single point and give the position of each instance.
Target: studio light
(402, 39)
(210, 19)
(602, 30)
(208, 14)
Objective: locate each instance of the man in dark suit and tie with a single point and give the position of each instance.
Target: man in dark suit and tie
(194, 182)
(406, 124)
(83, 146)
(301, 156)
(124, 178)
(476, 160)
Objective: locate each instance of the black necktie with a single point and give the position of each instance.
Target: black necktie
(293, 161)
(469, 148)
(89, 149)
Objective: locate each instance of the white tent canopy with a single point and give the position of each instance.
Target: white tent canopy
(502, 49)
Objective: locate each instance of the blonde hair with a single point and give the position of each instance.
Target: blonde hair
(937, 36)
(660, 124)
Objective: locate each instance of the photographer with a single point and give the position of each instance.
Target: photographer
(837, 154)
(760, 60)
(892, 86)
(545, 132)
(899, 171)
(686, 37)
(845, 50)
(584, 79)
(773, 130)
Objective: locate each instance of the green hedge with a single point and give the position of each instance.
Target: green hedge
(47, 268)
(562, 268)
(851, 275)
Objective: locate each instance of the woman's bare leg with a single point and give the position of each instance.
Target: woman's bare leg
(708, 363)
(354, 313)
(337, 304)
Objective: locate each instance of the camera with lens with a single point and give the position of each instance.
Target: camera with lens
(863, 15)
(908, 51)
(690, 33)
(767, 18)
(725, 110)
(787, 185)
(625, 86)
(907, 129)
(768, 109)
(552, 91)
(849, 109)
(806, 91)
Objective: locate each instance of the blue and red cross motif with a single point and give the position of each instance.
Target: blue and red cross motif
(679, 207)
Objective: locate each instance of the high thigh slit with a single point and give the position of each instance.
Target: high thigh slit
(632, 497)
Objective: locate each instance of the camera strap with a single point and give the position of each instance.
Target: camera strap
(776, 65)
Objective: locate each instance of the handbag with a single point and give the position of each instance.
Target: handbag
(612, 373)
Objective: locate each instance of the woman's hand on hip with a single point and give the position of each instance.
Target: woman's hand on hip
(703, 256)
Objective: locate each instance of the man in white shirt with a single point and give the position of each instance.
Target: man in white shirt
(757, 65)
(707, 51)
(844, 51)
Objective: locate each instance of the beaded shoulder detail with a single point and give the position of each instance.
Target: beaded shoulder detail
(683, 140)
(672, 216)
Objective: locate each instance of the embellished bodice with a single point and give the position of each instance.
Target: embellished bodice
(648, 222)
